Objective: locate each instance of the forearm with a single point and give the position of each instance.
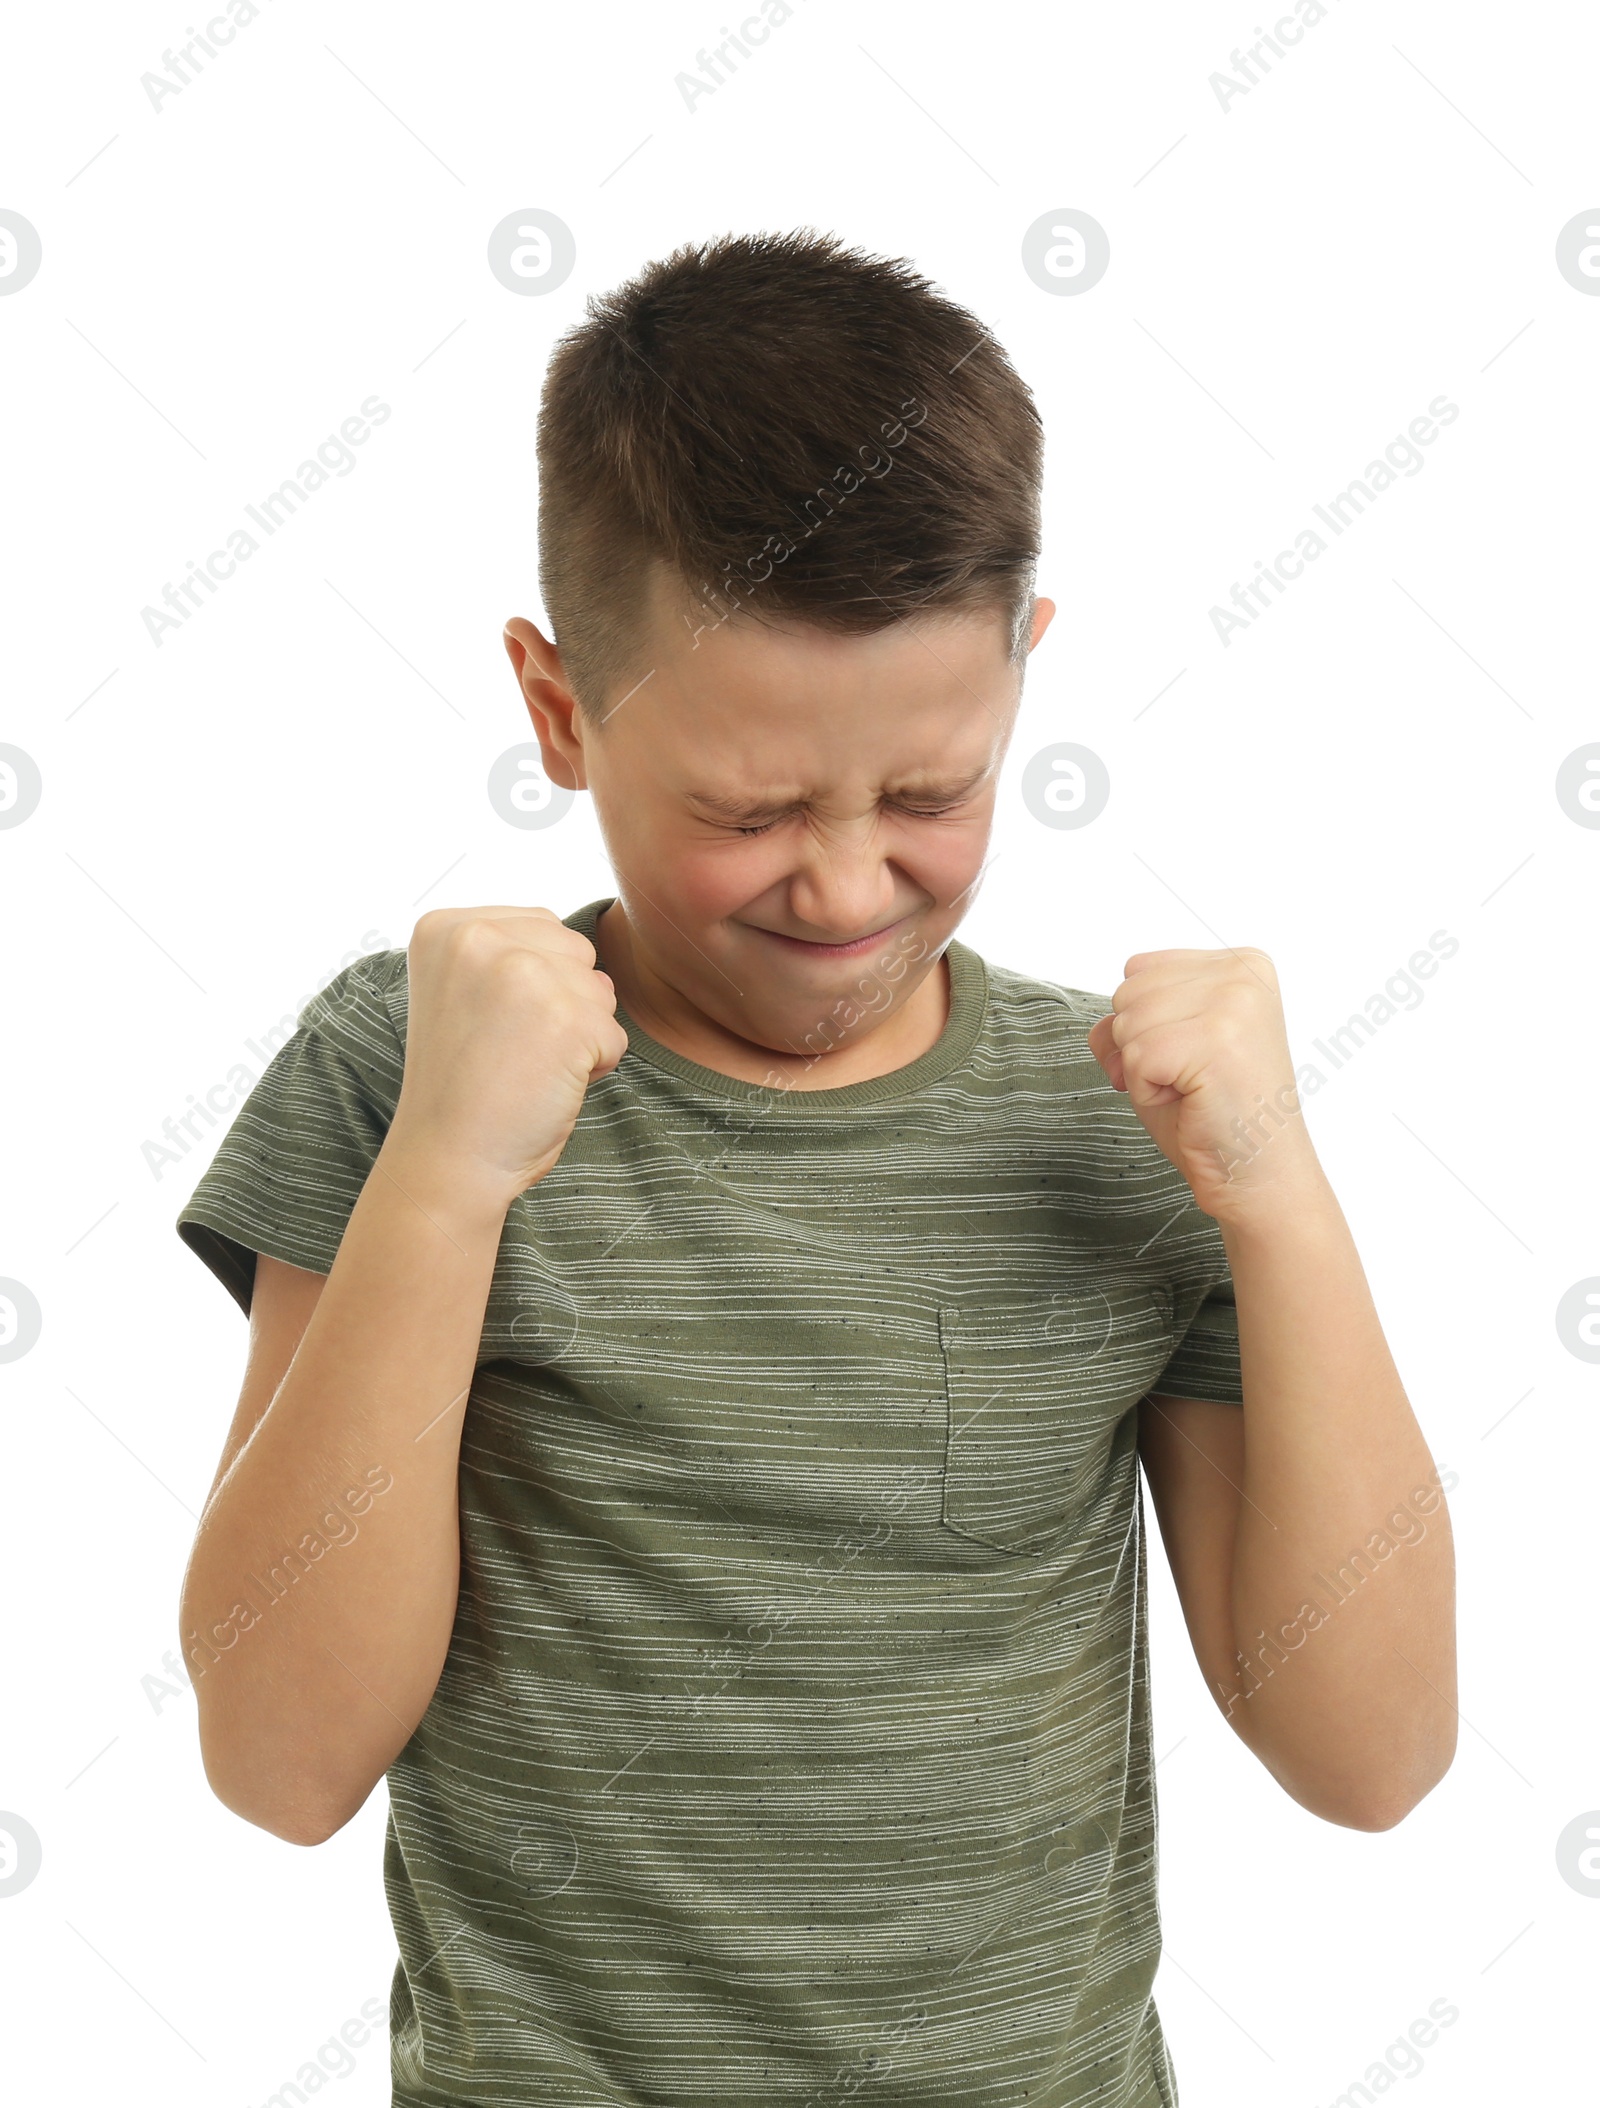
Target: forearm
(1343, 1671)
(321, 1593)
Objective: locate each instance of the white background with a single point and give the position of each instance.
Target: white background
(300, 771)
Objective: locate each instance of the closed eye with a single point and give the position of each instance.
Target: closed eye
(916, 812)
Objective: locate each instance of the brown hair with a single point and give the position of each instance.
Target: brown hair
(792, 429)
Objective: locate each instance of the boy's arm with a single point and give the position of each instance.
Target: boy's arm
(321, 1591)
(1308, 1537)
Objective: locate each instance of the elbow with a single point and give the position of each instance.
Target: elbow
(300, 1826)
(1374, 1812)
(296, 1822)
(1382, 1801)
(295, 1830)
(273, 1799)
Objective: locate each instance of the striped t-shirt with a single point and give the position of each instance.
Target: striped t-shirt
(793, 1743)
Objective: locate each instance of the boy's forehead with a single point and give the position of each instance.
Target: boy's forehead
(905, 687)
(779, 708)
(760, 743)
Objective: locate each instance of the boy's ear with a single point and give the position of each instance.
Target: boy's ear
(1043, 616)
(550, 703)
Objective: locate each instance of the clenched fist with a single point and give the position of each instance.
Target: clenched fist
(510, 1022)
(1197, 1040)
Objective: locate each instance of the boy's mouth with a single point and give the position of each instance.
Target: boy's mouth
(830, 951)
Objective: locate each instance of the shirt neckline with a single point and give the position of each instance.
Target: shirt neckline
(969, 1002)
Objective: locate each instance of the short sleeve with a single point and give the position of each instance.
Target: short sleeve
(1205, 1363)
(289, 1170)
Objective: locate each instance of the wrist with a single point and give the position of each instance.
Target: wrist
(1294, 1200)
(460, 1194)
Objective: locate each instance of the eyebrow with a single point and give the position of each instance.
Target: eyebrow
(926, 790)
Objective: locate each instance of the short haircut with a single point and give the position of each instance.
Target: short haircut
(794, 431)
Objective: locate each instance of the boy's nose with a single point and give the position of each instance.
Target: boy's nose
(843, 886)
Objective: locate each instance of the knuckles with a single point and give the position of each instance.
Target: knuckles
(1242, 961)
(1240, 984)
(486, 942)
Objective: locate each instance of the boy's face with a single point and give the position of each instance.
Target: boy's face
(789, 812)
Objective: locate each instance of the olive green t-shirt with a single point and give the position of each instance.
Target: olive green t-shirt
(793, 1741)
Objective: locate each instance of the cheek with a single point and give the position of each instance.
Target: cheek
(949, 858)
(711, 882)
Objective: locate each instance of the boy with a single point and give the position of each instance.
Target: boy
(703, 1348)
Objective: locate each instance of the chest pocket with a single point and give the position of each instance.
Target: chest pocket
(1034, 1389)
